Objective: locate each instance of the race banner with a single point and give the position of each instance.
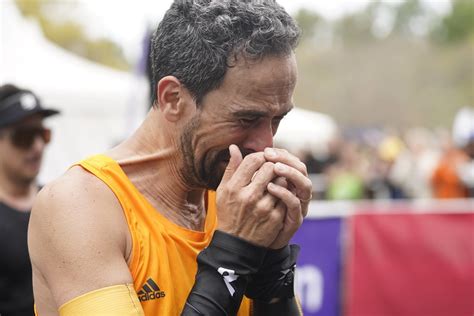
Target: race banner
(319, 266)
(410, 265)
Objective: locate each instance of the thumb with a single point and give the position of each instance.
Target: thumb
(234, 162)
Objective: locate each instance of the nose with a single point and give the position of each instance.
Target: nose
(259, 137)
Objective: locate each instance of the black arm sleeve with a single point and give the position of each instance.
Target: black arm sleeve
(272, 288)
(224, 269)
(275, 279)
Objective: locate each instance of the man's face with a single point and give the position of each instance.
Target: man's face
(20, 158)
(245, 110)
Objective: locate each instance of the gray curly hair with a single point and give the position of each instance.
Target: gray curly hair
(196, 40)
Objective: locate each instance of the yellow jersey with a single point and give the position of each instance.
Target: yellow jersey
(163, 259)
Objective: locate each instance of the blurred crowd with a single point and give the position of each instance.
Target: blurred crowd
(388, 164)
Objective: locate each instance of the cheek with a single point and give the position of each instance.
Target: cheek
(11, 157)
(220, 135)
(8, 151)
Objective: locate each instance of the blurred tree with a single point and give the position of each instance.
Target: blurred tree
(458, 25)
(399, 80)
(405, 15)
(71, 36)
(357, 28)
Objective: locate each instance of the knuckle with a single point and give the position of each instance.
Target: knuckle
(221, 192)
(265, 205)
(261, 211)
(256, 158)
(276, 216)
(268, 165)
(294, 202)
(248, 196)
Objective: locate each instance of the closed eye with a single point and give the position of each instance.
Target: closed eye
(248, 121)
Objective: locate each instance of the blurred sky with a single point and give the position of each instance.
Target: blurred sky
(125, 21)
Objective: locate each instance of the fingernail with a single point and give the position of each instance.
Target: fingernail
(281, 167)
(270, 152)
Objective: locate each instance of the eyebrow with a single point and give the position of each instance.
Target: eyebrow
(257, 113)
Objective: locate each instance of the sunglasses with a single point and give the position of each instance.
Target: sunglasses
(24, 137)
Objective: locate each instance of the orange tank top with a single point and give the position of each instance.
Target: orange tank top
(163, 259)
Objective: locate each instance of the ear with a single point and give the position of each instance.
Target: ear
(173, 98)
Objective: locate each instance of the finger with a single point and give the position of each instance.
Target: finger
(281, 155)
(266, 204)
(281, 181)
(234, 162)
(279, 205)
(303, 186)
(247, 168)
(262, 177)
(294, 214)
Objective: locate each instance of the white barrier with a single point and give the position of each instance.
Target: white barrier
(328, 209)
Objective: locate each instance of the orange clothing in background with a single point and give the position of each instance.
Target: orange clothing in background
(445, 181)
(163, 260)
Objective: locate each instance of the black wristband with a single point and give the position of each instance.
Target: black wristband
(275, 279)
(230, 252)
(224, 269)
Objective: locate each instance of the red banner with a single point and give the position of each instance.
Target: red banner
(410, 265)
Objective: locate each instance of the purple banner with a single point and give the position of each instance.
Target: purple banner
(319, 266)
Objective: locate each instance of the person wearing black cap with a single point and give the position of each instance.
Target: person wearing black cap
(22, 142)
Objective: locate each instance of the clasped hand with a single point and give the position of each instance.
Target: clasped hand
(263, 197)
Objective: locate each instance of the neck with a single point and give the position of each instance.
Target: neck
(154, 164)
(16, 193)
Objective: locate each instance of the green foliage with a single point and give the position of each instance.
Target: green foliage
(405, 13)
(70, 35)
(458, 25)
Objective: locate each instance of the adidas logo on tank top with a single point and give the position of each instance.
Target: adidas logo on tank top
(150, 291)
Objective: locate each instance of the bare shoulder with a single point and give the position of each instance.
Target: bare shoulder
(75, 188)
(77, 236)
(76, 201)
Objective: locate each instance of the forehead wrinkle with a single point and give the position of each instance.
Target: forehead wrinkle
(263, 101)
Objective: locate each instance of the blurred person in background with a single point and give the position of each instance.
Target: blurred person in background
(414, 165)
(463, 133)
(345, 177)
(196, 208)
(453, 177)
(23, 139)
(385, 154)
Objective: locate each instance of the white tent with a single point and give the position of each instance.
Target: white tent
(99, 105)
(306, 130)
